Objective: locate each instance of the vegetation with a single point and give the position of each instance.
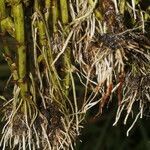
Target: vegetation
(68, 56)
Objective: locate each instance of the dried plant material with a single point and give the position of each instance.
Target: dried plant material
(107, 59)
(85, 43)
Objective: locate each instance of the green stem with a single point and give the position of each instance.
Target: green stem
(2, 10)
(122, 4)
(64, 11)
(44, 41)
(54, 15)
(67, 55)
(18, 15)
(47, 7)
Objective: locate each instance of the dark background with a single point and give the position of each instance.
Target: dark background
(102, 135)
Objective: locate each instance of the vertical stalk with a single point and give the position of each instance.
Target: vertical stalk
(68, 77)
(45, 46)
(18, 15)
(67, 54)
(2, 10)
(64, 11)
(47, 7)
(55, 15)
(122, 4)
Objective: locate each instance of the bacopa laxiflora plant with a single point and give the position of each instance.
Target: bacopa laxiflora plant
(67, 57)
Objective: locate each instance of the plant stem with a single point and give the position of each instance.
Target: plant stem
(64, 11)
(54, 15)
(2, 10)
(18, 15)
(122, 4)
(47, 7)
(45, 46)
(67, 55)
